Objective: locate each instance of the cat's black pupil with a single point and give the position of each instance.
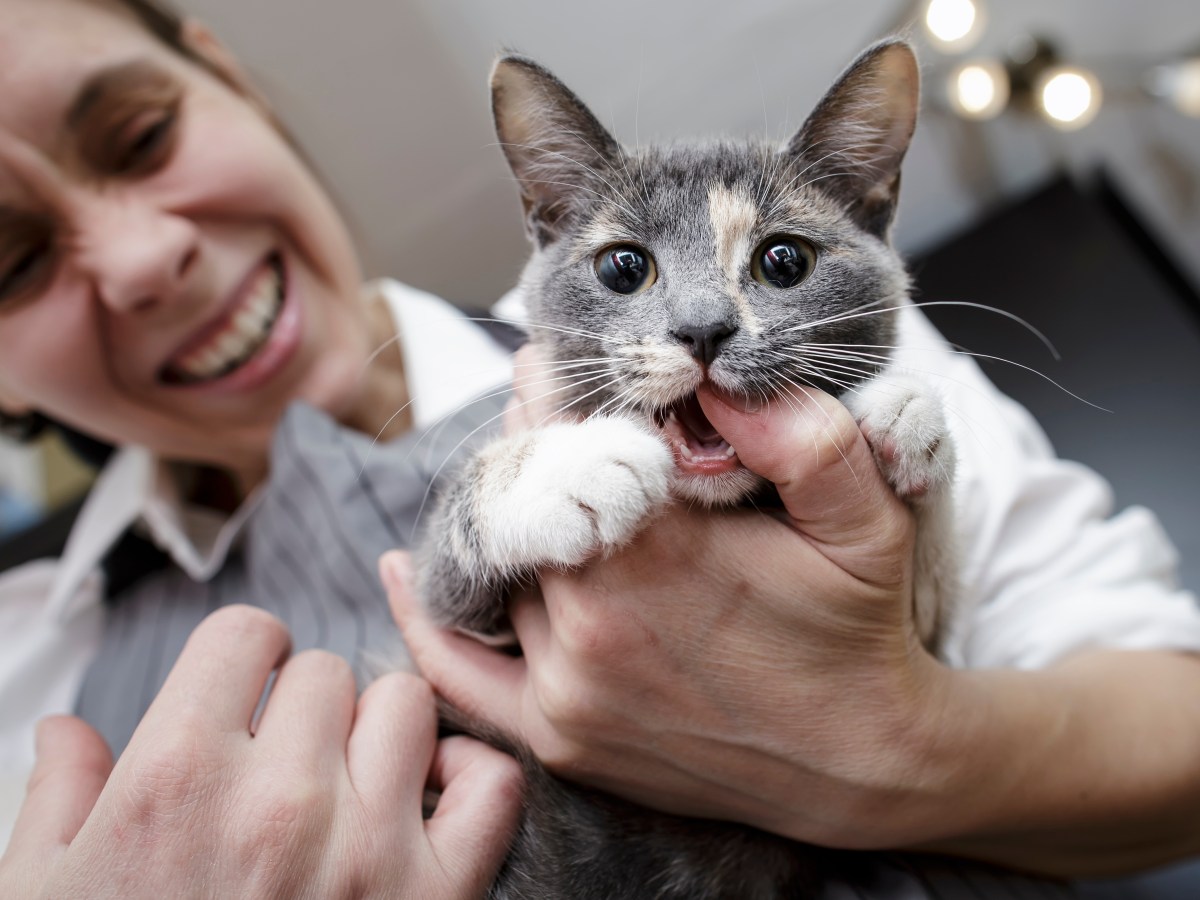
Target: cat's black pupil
(784, 265)
(623, 269)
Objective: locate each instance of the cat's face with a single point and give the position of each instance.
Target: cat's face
(752, 267)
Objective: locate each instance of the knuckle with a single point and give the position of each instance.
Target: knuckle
(240, 623)
(588, 640)
(323, 666)
(402, 695)
(274, 822)
(403, 689)
(169, 780)
(566, 706)
(564, 757)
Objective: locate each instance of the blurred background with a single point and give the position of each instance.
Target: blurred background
(1055, 173)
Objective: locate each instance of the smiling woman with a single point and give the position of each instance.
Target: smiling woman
(172, 277)
(172, 274)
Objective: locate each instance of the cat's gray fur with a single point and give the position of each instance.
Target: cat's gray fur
(561, 494)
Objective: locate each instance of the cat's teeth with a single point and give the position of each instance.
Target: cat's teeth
(686, 452)
(729, 452)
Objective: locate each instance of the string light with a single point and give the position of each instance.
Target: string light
(954, 24)
(1178, 84)
(979, 89)
(1069, 97)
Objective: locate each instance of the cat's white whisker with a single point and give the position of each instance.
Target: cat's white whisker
(476, 430)
(578, 332)
(830, 435)
(854, 314)
(1001, 359)
(582, 165)
(787, 192)
(970, 422)
(570, 377)
(578, 187)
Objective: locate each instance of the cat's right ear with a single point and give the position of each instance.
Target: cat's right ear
(557, 150)
(856, 138)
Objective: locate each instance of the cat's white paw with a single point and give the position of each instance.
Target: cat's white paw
(905, 423)
(567, 492)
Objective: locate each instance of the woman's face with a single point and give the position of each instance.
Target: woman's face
(171, 274)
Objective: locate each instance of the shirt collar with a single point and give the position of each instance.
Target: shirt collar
(136, 485)
(447, 361)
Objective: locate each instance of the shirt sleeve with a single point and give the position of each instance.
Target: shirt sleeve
(1047, 570)
(43, 658)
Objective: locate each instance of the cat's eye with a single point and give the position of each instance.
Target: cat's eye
(783, 262)
(625, 268)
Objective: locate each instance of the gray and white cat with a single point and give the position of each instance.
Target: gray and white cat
(760, 269)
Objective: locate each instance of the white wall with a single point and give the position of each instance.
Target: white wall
(390, 98)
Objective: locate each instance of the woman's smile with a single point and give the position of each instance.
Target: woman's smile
(251, 339)
(171, 273)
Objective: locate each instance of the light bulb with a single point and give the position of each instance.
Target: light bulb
(979, 89)
(1069, 97)
(1180, 84)
(954, 24)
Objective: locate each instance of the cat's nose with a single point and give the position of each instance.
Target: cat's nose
(704, 341)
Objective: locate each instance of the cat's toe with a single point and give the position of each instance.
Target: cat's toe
(904, 422)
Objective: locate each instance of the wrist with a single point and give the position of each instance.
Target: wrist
(927, 753)
(901, 764)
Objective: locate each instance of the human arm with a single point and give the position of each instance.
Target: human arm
(321, 799)
(736, 666)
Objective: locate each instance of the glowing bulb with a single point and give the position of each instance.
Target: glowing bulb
(979, 90)
(953, 23)
(1184, 86)
(1070, 98)
(1187, 87)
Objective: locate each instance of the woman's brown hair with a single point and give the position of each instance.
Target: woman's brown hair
(161, 21)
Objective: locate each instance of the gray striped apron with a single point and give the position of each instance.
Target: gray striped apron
(332, 505)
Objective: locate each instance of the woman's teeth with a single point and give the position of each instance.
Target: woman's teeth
(240, 338)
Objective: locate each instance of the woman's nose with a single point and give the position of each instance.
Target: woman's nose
(139, 256)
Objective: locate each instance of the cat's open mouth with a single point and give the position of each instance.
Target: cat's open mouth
(698, 448)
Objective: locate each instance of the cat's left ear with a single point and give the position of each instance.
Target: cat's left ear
(852, 145)
(556, 148)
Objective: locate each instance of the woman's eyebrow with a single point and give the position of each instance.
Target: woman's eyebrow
(111, 80)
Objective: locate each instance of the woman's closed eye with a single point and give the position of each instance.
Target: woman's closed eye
(145, 145)
(127, 121)
(136, 145)
(27, 254)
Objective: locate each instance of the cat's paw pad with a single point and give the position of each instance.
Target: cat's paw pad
(904, 422)
(577, 490)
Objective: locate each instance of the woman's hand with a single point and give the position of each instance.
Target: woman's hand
(733, 664)
(322, 798)
(765, 670)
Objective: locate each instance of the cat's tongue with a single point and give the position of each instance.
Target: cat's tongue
(699, 449)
